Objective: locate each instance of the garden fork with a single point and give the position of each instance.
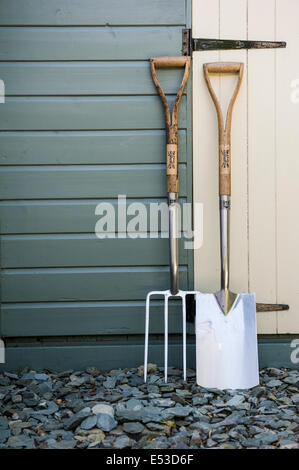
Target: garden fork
(173, 206)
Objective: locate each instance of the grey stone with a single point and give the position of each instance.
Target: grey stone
(151, 368)
(196, 439)
(4, 435)
(220, 437)
(153, 379)
(159, 443)
(44, 388)
(236, 401)
(274, 383)
(228, 445)
(129, 415)
(114, 398)
(163, 402)
(136, 380)
(76, 419)
(167, 388)
(18, 442)
(275, 372)
(122, 442)
(234, 418)
(93, 371)
(178, 411)
(161, 428)
(292, 380)
(77, 382)
(210, 443)
(89, 423)
(3, 422)
(63, 444)
(258, 391)
(134, 404)
(29, 376)
(110, 382)
(266, 437)
(107, 443)
(201, 426)
(106, 422)
(127, 391)
(287, 444)
(184, 393)
(148, 414)
(293, 427)
(41, 377)
(10, 375)
(103, 408)
(51, 408)
(133, 428)
(199, 401)
(178, 441)
(17, 398)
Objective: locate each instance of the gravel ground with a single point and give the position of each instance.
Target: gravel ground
(95, 409)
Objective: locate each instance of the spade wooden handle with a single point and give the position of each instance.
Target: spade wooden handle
(171, 123)
(224, 129)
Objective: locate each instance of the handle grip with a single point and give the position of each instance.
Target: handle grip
(224, 129)
(171, 123)
(223, 67)
(169, 61)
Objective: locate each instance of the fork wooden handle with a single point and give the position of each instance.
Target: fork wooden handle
(224, 129)
(171, 124)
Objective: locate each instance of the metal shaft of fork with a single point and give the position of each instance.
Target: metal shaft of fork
(224, 240)
(173, 207)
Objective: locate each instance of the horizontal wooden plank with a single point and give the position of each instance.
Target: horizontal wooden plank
(89, 43)
(92, 12)
(85, 78)
(84, 250)
(88, 181)
(85, 113)
(60, 216)
(87, 318)
(107, 357)
(52, 148)
(73, 284)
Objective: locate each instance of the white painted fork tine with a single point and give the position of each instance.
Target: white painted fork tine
(184, 337)
(165, 337)
(146, 335)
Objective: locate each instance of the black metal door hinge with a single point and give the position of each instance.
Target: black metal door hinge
(190, 44)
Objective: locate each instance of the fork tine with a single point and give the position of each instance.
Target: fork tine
(184, 336)
(146, 336)
(165, 337)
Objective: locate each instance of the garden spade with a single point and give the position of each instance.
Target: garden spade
(226, 336)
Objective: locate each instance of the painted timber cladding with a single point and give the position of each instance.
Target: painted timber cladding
(82, 123)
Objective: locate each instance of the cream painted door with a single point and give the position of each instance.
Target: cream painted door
(265, 155)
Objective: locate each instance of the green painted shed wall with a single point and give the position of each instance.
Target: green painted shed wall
(82, 123)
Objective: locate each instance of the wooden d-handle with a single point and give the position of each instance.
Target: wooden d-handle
(169, 61)
(171, 123)
(223, 67)
(224, 129)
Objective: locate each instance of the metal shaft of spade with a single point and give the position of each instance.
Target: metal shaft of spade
(224, 209)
